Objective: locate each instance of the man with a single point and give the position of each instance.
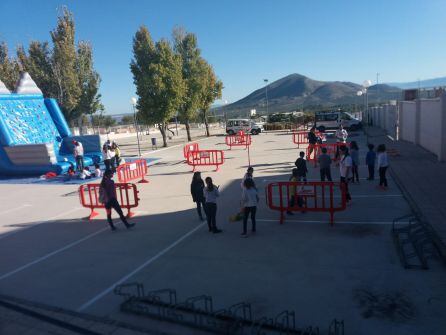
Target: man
(345, 166)
(79, 155)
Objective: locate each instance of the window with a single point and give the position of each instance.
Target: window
(331, 117)
(345, 116)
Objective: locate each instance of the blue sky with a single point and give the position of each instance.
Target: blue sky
(247, 41)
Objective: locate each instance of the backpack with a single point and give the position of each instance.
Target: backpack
(101, 195)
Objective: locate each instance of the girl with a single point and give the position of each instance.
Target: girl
(248, 175)
(211, 194)
(97, 171)
(196, 189)
(107, 192)
(383, 164)
(250, 198)
(354, 154)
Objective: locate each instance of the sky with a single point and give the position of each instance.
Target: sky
(249, 41)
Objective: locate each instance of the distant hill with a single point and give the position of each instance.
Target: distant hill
(435, 82)
(295, 90)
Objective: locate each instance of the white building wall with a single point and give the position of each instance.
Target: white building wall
(430, 125)
(408, 120)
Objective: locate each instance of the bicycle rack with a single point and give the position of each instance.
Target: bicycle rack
(197, 312)
(414, 242)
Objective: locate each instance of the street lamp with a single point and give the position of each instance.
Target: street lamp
(266, 94)
(366, 84)
(133, 101)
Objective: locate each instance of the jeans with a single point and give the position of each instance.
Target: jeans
(79, 163)
(344, 182)
(326, 173)
(371, 171)
(113, 203)
(200, 204)
(107, 163)
(355, 173)
(211, 214)
(382, 176)
(253, 211)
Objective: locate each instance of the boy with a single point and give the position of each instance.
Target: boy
(370, 159)
(301, 165)
(325, 163)
(293, 192)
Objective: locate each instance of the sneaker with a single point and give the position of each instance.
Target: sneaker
(244, 235)
(216, 231)
(130, 225)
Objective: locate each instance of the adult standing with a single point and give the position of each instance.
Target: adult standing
(248, 175)
(312, 141)
(107, 156)
(345, 167)
(341, 137)
(211, 194)
(383, 164)
(117, 150)
(79, 155)
(250, 198)
(196, 190)
(108, 194)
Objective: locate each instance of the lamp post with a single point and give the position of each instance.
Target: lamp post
(133, 101)
(266, 94)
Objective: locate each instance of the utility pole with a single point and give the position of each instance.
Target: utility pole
(377, 88)
(266, 94)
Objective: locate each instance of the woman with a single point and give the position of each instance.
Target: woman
(107, 192)
(383, 164)
(345, 165)
(250, 198)
(354, 154)
(107, 157)
(117, 151)
(196, 189)
(211, 194)
(248, 175)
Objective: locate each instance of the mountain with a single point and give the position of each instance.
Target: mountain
(295, 90)
(428, 83)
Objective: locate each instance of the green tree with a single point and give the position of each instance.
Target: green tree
(127, 119)
(64, 65)
(212, 88)
(158, 79)
(186, 46)
(9, 68)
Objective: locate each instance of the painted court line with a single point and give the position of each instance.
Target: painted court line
(55, 252)
(40, 222)
(15, 209)
(139, 268)
(336, 222)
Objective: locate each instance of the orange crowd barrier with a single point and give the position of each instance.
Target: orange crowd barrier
(206, 158)
(313, 151)
(308, 197)
(132, 170)
(127, 196)
(238, 140)
(193, 146)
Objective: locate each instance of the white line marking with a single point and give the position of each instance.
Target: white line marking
(336, 222)
(139, 268)
(15, 209)
(40, 222)
(173, 146)
(55, 252)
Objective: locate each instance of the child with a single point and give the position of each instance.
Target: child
(250, 198)
(196, 190)
(370, 161)
(325, 163)
(354, 154)
(301, 165)
(293, 192)
(85, 174)
(345, 165)
(248, 175)
(211, 194)
(383, 164)
(97, 171)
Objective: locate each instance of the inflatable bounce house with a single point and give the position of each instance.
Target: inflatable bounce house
(34, 135)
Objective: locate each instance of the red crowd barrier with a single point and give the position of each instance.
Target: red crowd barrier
(132, 170)
(313, 151)
(206, 158)
(127, 195)
(301, 137)
(193, 146)
(308, 196)
(238, 140)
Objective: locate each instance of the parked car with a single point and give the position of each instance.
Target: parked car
(235, 125)
(332, 119)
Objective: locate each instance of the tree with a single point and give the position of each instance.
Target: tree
(9, 68)
(186, 46)
(158, 79)
(212, 88)
(127, 119)
(64, 65)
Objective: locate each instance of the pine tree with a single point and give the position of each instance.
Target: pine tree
(9, 68)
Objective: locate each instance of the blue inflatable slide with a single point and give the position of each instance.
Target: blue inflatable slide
(34, 135)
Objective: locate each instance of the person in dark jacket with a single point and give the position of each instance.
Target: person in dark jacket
(312, 140)
(301, 165)
(110, 200)
(196, 189)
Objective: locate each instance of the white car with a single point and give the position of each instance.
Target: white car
(233, 126)
(326, 120)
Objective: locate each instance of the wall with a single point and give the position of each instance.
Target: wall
(430, 124)
(407, 120)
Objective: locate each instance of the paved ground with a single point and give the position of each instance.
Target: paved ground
(349, 271)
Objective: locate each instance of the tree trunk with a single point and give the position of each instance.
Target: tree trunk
(162, 127)
(80, 124)
(206, 123)
(189, 138)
